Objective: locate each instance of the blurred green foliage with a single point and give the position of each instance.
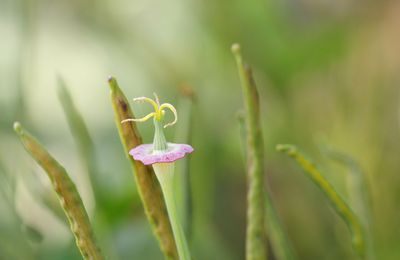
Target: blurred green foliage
(327, 68)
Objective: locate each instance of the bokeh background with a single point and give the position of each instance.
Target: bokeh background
(327, 72)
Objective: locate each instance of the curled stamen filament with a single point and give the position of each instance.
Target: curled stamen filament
(145, 118)
(158, 111)
(148, 100)
(173, 110)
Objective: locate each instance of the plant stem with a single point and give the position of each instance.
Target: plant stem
(280, 244)
(256, 238)
(67, 193)
(165, 175)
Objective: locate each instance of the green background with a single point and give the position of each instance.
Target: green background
(327, 72)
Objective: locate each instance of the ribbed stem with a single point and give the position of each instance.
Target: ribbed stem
(165, 175)
(159, 142)
(256, 237)
(68, 195)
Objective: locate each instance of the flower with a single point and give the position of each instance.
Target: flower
(160, 151)
(162, 156)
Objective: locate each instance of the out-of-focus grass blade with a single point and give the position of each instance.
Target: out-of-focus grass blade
(32, 233)
(336, 200)
(281, 246)
(81, 135)
(146, 181)
(13, 243)
(67, 193)
(23, 230)
(6, 186)
(359, 193)
(183, 134)
(256, 239)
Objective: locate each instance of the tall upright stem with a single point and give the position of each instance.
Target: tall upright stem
(256, 238)
(165, 175)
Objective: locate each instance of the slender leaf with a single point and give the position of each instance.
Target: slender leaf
(336, 200)
(359, 193)
(81, 135)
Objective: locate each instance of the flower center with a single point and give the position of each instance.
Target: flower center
(159, 142)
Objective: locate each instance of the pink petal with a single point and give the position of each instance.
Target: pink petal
(144, 153)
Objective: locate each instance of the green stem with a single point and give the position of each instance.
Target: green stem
(165, 175)
(67, 193)
(336, 200)
(256, 238)
(280, 243)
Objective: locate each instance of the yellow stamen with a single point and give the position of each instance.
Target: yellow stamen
(173, 110)
(145, 118)
(148, 100)
(158, 113)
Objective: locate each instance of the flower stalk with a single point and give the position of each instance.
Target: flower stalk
(165, 175)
